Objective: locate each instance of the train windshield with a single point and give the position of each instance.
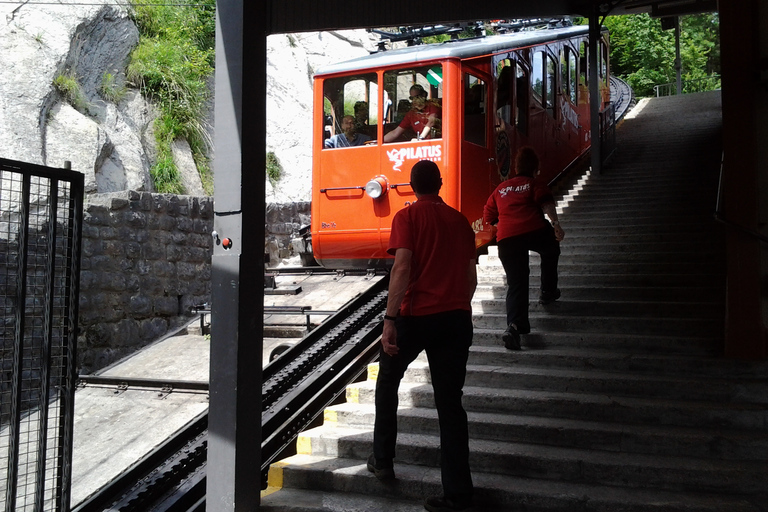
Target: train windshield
(416, 99)
(350, 108)
(411, 100)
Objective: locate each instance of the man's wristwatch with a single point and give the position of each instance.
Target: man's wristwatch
(387, 317)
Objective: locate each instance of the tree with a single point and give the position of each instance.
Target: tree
(643, 54)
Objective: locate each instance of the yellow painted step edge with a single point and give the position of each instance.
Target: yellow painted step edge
(274, 478)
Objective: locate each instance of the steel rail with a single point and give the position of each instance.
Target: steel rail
(297, 387)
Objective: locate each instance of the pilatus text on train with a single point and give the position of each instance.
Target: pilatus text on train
(466, 105)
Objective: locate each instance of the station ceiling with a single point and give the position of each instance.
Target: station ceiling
(311, 15)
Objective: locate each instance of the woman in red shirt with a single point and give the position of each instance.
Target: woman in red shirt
(518, 206)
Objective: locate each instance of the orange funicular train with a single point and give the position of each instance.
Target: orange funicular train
(475, 102)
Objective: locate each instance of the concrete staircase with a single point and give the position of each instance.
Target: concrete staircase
(619, 400)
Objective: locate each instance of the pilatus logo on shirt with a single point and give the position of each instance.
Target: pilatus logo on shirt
(517, 190)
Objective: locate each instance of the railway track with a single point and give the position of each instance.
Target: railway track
(297, 387)
(622, 97)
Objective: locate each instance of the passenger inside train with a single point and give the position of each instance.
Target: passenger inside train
(422, 119)
(348, 137)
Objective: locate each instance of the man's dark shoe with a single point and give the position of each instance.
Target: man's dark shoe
(549, 297)
(511, 338)
(443, 504)
(383, 470)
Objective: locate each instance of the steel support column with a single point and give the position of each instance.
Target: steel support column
(595, 99)
(744, 187)
(234, 425)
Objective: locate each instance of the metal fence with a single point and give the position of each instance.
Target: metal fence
(607, 131)
(40, 231)
(709, 83)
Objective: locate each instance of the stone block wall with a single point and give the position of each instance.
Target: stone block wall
(146, 259)
(283, 222)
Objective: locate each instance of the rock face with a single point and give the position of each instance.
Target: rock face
(113, 144)
(292, 60)
(39, 43)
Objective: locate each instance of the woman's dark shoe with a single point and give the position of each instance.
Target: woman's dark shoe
(443, 504)
(382, 469)
(549, 297)
(511, 338)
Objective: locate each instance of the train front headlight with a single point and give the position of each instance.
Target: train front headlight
(377, 187)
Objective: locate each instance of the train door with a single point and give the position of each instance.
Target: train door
(345, 158)
(544, 129)
(478, 162)
(583, 95)
(512, 111)
(569, 91)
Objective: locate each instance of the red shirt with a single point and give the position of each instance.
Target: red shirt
(417, 120)
(443, 244)
(516, 204)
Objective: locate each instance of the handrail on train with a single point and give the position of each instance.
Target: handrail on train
(721, 218)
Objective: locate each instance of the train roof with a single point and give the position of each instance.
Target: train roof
(459, 49)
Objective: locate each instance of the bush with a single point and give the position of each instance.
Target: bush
(171, 65)
(274, 169)
(68, 86)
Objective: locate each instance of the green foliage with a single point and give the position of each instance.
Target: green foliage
(171, 65)
(165, 175)
(274, 168)
(644, 55)
(467, 33)
(110, 90)
(68, 86)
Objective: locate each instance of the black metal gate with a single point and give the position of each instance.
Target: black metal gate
(40, 231)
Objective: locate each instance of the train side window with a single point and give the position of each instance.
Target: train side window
(573, 77)
(522, 87)
(537, 77)
(583, 64)
(505, 90)
(603, 61)
(356, 96)
(564, 80)
(474, 109)
(550, 84)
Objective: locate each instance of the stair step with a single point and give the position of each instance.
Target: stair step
(616, 280)
(591, 406)
(553, 320)
(552, 462)
(612, 358)
(614, 383)
(301, 500)
(493, 492)
(573, 433)
(496, 289)
(607, 308)
(622, 342)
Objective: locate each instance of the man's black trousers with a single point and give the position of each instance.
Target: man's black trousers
(446, 338)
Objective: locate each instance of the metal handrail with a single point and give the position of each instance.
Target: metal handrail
(720, 218)
(669, 88)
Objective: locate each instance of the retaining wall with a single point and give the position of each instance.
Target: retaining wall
(146, 259)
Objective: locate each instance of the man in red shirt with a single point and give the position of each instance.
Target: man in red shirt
(431, 286)
(422, 117)
(519, 205)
